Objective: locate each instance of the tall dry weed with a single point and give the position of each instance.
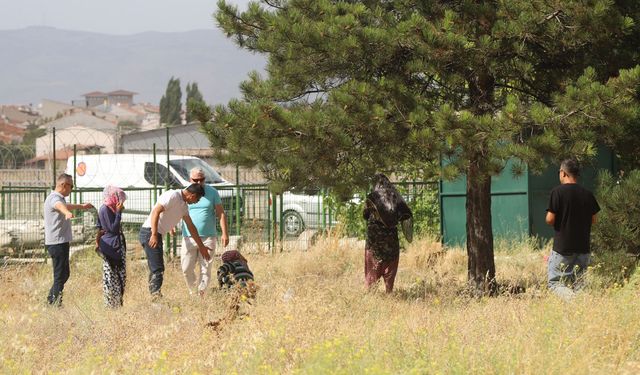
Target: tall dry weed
(312, 314)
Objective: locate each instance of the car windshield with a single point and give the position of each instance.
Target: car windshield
(305, 191)
(184, 166)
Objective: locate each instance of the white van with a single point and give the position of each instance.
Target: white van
(138, 174)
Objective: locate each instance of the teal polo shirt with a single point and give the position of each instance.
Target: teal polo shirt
(203, 214)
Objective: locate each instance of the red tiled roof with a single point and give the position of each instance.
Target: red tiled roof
(62, 154)
(16, 115)
(8, 129)
(6, 138)
(122, 92)
(95, 93)
(149, 107)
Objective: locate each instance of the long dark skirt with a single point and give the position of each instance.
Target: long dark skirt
(114, 279)
(374, 269)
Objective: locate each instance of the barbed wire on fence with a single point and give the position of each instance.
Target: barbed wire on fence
(145, 164)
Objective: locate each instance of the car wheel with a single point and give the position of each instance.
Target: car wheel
(292, 223)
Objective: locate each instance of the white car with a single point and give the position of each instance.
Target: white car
(138, 174)
(303, 209)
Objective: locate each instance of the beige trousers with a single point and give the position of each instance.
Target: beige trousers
(190, 257)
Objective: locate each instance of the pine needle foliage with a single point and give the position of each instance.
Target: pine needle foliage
(616, 235)
(356, 87)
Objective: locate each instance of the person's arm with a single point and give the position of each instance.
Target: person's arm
(155, 217)
(99, 231)
(63, 208)
(196, 237)
(107, 225)
(550, 218)
(368, 207)
(552, 208)
(222, 218)
(595, 209)
(83, 206)
(99, 234)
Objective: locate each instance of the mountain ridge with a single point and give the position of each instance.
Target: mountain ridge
(41, 62)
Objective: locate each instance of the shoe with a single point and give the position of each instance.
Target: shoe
(156, 297)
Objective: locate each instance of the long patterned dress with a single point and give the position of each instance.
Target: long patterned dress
(114, 252)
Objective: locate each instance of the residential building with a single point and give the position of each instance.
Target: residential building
(20, 116)
(10, 133)
(118, 97)
(184, 140)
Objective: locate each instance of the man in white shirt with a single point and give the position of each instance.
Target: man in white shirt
(170, 208)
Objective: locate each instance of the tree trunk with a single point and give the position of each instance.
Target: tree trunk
(481, 269)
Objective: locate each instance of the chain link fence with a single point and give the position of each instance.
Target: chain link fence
(147, 163)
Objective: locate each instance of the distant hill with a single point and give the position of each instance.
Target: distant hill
(44, 62)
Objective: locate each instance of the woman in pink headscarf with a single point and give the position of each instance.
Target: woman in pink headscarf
(112, 246)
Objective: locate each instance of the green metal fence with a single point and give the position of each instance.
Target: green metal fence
(260, 219)
(250, 211)
(264, 221)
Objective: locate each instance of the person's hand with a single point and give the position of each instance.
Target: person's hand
(100, 233)
(68, 215)
(87, 206)
(224, 240)
(153, 241)
(205, 252)
(120, 206)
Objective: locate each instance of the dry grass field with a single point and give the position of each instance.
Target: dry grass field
(313, 315)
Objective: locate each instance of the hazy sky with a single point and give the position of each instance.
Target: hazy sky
(111, 16)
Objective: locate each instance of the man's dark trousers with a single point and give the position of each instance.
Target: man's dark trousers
(60, 260)
(155, 260)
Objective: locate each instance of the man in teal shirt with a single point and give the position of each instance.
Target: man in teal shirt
(203, 214)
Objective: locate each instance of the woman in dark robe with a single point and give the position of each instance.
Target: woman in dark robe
(234, 269)
(112, 246)
(384, 210)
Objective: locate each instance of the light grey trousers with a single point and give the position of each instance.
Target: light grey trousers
(566, 273)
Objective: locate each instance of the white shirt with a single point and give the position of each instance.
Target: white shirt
(174, 209)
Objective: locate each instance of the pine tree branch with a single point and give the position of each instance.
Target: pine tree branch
(273, 5)
(582, 110)
(551, 16)
(536, 97)
(241, 21)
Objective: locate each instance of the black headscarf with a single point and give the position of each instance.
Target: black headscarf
(389, 207)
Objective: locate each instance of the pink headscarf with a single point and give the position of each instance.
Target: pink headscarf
(112, 195)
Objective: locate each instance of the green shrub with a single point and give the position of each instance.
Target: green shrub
(616, 234)
(426, 211)
(421, 197)
(349, 214)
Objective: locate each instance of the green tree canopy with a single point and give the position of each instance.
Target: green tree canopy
(127, 126)
(33, 132)
(171, 103)
(193, 96)
(356, 87)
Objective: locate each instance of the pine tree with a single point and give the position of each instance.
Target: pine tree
(33, 132)
(355, 87)
(615, 237)
(193, 96)
(171, 103)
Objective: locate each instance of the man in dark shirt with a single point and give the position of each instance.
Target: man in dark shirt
(572, 210)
